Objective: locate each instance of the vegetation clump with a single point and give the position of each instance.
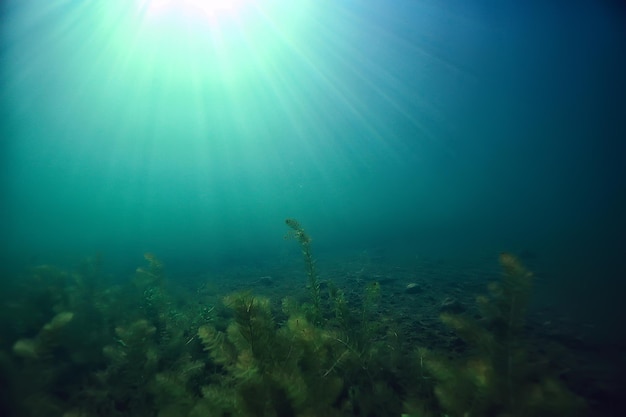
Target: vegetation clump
(269, 371)
(298, 233)
(499, 377)
(142, 349)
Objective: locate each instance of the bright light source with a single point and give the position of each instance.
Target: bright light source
(206, 8)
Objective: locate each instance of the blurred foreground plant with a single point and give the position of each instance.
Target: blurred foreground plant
(499, 378)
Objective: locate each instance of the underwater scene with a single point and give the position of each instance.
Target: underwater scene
(329, 208)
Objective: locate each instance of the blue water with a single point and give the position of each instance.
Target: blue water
(430, 128)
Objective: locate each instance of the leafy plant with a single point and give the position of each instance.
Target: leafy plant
(271, 371)
(298, 233)
(499, 377)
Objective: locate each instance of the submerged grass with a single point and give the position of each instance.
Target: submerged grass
(141, 350)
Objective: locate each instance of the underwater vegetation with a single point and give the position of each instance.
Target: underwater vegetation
(298, 233)
(498, 377)
(72, 346)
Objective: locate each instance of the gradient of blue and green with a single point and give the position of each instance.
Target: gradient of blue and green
(193, 128)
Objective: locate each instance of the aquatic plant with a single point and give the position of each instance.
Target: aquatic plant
(57, 332)
(270, 371)
(149, 363)
(144, 349)
(298, 233)
(499, 378)
(46, 340)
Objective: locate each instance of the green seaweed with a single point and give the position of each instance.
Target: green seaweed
(270, 371)
(298, 233)
(499, 378)
(78, 349)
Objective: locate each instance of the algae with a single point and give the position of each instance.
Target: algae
(80, 348)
